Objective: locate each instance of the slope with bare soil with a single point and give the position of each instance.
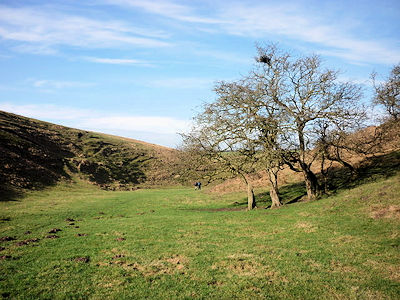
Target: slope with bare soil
(35, 154)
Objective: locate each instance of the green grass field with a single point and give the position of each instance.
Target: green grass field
(186, 244)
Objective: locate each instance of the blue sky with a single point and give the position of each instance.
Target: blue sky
(141, 69)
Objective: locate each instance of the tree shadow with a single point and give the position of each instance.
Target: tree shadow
(8, 193)
(289, 194)
(340, 178)
(369, 170)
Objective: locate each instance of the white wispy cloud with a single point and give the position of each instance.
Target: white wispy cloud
(41, 31)
(45, 111)
(159, 125)
(117, 61)
(270, 20)
(57, 84)
(182, 83)
(155, 129)
(167, 9)
(260, 20)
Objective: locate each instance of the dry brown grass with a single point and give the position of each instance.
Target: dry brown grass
(168, 265)
(344, 239)
(258, 180)
(388, 270)
(305, 226)
(389, 212)
(337, 267)
(247, 265)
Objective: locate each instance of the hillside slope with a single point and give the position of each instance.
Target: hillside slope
(187, 244)
(34, 154)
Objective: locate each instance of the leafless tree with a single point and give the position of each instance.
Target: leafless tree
(287, 110)
(387, 93)
(239, 134)
(306, 94)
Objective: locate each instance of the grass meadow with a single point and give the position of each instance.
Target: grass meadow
(80, 242)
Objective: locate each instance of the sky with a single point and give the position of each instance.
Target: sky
(143, 68)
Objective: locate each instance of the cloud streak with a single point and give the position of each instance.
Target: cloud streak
(56, 84)
(293, 22)
(181, 83)
(41, 31)
(157, 129)
(149, 124)
(260, 20)
(167, 9)
(117, 61)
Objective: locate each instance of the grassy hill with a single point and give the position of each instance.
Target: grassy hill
(35, 154)
(60, 240)
(81, 242)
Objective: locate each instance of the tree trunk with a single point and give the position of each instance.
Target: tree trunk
(311, 181)
(324, 172)
(274, 191)
(251, 200)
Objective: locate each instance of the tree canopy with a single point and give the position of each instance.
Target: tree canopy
(288, 110)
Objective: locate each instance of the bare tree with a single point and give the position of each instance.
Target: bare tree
(387, 93)
(306, 95)
(221, 137)
(241, 132)
(274, 116)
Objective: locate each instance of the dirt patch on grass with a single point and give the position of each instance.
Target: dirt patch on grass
(84, 259)
(169, 265)
(27, 242)
(6, 257)
(52, 236)
(388, 212)
(246, 268)
(7, 239)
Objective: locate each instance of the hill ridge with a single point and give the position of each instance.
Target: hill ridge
(35, 154)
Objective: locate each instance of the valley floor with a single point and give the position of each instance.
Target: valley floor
(79, 242)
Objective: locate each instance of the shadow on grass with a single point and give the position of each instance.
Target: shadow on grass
(289, 194)
(369, 170)
(8, 194)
